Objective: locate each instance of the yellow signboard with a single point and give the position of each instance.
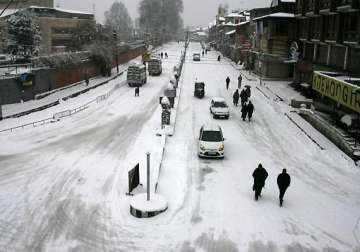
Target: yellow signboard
(338, 90)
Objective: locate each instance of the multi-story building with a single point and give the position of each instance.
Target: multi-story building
(56, 25)
(25, 3)
(329, 32)
(273, 33)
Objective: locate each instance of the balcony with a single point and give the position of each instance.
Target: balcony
(331, 36)
(312, 9)
(327, 7)
(347, 5)
(350, 37)
(300, 9)
(316, 36)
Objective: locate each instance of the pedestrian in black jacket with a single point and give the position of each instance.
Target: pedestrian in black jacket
(236, 97)
(227, 82)
(250, 110)
(244, 111)
(259, 175)
(243, 97)
(283, 181)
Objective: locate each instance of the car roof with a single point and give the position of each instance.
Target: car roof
(211, 127)
(218, 99)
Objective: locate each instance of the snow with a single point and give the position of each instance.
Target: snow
(156, 202)
(276, 15)
(230, 32)
(63, 184)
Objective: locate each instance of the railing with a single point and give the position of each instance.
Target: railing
(66, 113)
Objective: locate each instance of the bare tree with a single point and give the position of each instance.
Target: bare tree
(118, 19)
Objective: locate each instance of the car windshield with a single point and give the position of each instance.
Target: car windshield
(220, 105)
(211, 136)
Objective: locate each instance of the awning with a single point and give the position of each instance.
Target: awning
(230, 32)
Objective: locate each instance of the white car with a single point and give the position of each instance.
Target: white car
(196, 57)
(219, 108)
(211, 141)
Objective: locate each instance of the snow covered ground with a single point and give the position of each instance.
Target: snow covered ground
(63, 185)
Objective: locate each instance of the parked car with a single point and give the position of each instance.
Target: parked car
(154, 66)
(199, 89)
(219, 108)
(211, 141)
(136, 75)
(196, 57)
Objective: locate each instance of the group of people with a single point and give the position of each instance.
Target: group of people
(162, 55)
(247, 108)
(260, 175)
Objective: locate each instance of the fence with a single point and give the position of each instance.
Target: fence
(66, 113)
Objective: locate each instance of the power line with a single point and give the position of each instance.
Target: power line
(7, 6)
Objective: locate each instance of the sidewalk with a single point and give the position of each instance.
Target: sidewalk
(52, 97)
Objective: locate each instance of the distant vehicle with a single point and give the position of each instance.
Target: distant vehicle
(208, 48)
(199, 89)
(154, 66)
(196, 57)
(219, 108)
(145, 56)
(211, 141)
(136, 75)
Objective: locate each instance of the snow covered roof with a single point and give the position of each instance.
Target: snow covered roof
(62, 10)
(234, 14)
(201, 33)
(230, 32)
(221, 18)
(243, 23)
(276, 15)
(230, 23)
(9, 12)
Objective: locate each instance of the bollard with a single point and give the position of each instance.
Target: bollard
(148, 176)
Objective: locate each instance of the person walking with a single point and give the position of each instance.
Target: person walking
(162, 54)
(259, 175)
(137, 91)
(250, 110)
(248, 91)
(227, 82)
(283, 181)
(219, 58)
(244, 111)
(239, 81)
(243, 97)
(166, 55)
(236, 97)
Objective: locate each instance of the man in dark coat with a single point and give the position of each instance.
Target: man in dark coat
(250, 110)
(239, 81)
(283, 181)
(227, 82)
(248, 91)
(259, 175)
(236, 97)
(243, 97)
(219, 58)
(244, 111)
(137, 91)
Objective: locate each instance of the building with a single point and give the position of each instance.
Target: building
(329, 35)
(273, 33)
(56, 25)
(25, 4)
(329, 41)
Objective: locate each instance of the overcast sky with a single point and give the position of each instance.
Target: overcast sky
(196, 12)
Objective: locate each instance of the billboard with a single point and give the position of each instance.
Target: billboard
(338, 90)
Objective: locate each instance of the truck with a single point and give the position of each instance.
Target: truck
(154, 66)
(136, 75)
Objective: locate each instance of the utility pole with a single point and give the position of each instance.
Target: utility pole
(116, 51)
(148, 176)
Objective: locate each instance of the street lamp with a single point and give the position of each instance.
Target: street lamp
(116, 51)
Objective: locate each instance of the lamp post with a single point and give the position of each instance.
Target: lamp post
(356, 91)
(116, 51)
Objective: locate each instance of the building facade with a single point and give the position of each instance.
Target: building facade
(56, 25)
(26, 3)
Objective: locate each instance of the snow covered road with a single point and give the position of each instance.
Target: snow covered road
(62, 186)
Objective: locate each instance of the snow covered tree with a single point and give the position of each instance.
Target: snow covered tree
(119, 20)
(24, 34)
(83, 35)
(161, 17)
